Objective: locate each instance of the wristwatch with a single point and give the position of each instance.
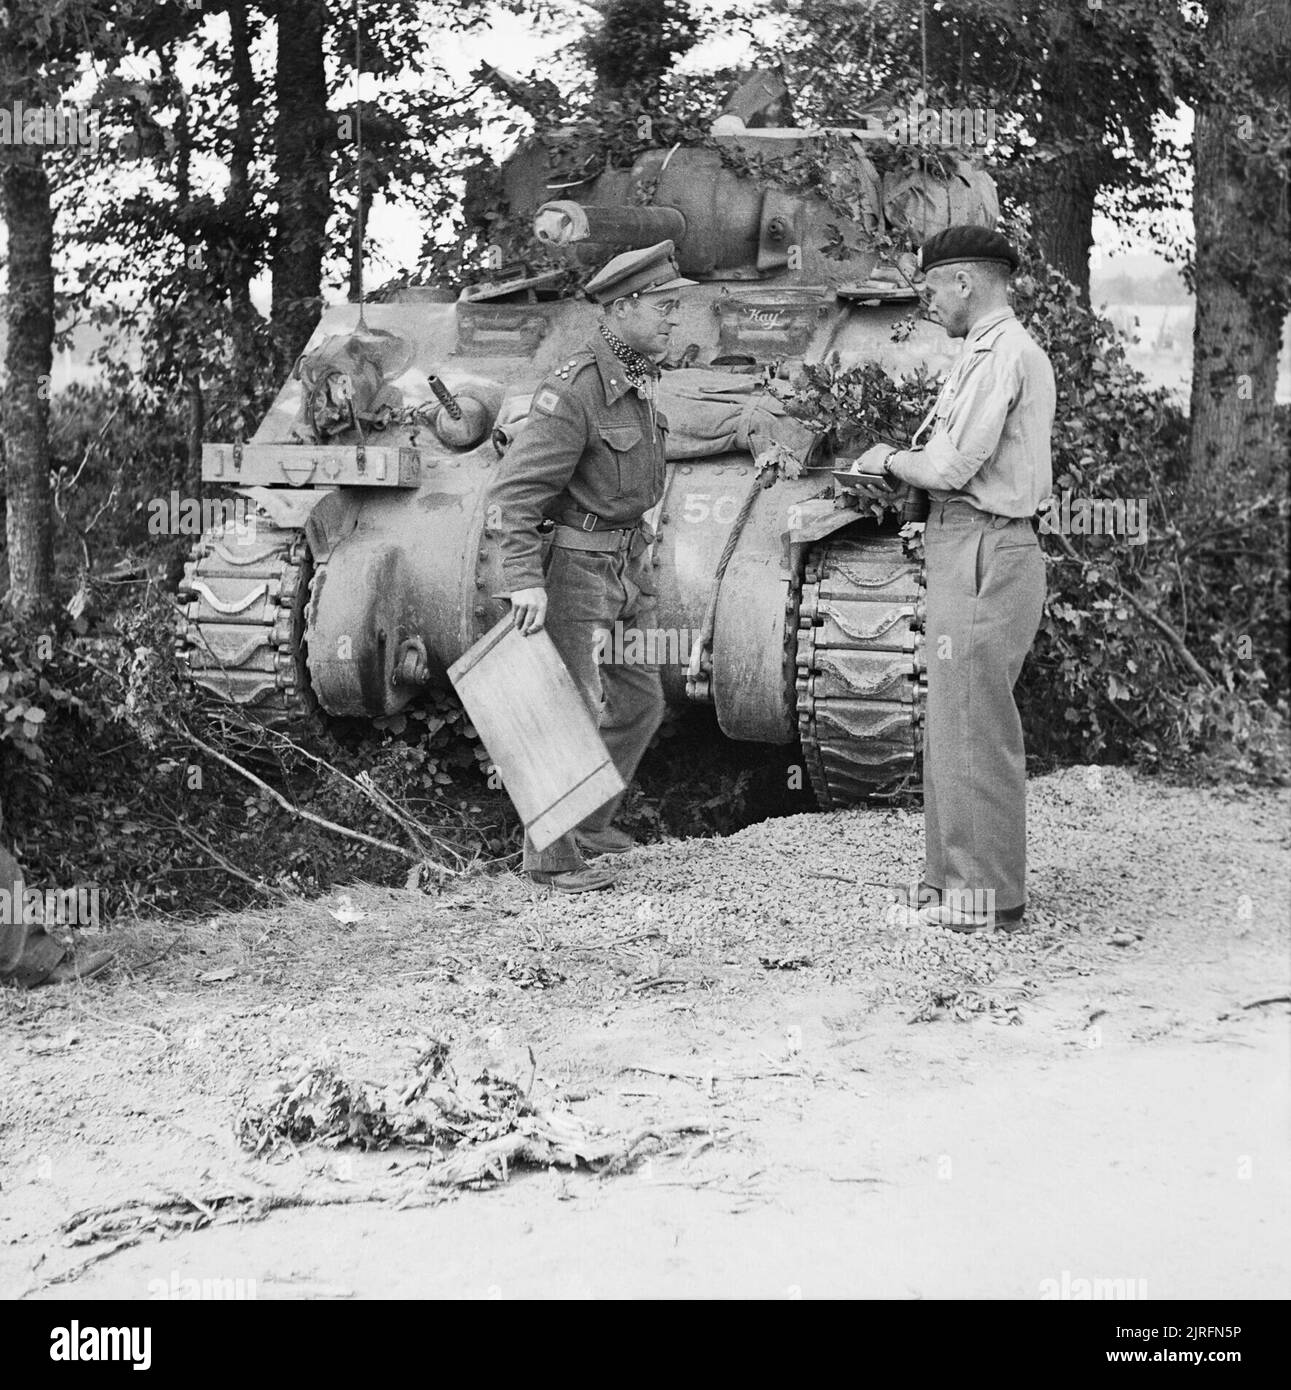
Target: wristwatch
(887, 468)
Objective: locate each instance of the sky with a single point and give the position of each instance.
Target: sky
(394, 234)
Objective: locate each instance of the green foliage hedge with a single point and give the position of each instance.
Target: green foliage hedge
(1104, 681)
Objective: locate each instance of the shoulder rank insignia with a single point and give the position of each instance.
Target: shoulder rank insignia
(546, 400)
(573, 366)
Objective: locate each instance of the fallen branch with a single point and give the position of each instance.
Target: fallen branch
(707, 1076)
(1176, 642)
(659, 982)
(384, 803)
(78, 1269)
(387, 807)
(473, 1130)
(285, 804)
(152, 960)
(179, 1212)
(544, 1145)
(124, 1023)
(652, 935)
(269, 890)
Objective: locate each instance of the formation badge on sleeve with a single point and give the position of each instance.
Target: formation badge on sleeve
(546, 401)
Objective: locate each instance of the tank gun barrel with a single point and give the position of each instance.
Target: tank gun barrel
(563, 223)
(445, 396)
(464, 417)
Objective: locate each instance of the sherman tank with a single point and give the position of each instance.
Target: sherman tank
(373, 566)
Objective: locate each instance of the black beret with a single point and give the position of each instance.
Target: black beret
(966, 243)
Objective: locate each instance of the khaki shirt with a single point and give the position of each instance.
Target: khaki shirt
(992, 421)
(592, 443)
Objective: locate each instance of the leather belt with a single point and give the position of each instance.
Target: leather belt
(589, 521)
(957, 508)
(571, 538)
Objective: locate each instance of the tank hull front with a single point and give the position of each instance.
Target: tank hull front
(415, 564)
(424, 565)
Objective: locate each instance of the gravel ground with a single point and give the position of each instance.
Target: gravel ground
(1112, 856)
(1156, 914)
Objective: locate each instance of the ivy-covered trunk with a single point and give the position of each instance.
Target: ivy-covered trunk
(301, 138)
(24, 415)
(634, 43)
(1064, 218)
(1064, 188)
(1243, 244)
(242, 248)
(192, 275)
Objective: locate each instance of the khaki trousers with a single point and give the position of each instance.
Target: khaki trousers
(588, 593)
(986, 586)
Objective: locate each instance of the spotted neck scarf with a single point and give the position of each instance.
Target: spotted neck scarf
(640, 371)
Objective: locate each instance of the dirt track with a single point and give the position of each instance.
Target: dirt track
(897, 1114)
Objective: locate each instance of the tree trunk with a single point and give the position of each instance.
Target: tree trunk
(301, 137)
(195, 430)
(634, 44)
(1062, 198)
(194, 274)
(1063, 219)
(1242, 262)
(29, 359)
(242, 250)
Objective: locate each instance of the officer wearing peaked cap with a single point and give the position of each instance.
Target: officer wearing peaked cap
(590, 459)
(985, 463)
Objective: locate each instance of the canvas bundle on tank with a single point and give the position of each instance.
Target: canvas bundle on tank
(708, 413)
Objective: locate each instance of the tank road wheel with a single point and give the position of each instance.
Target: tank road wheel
(240, 636)
(860, 667)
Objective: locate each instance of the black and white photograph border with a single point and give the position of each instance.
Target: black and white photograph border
(643, 656)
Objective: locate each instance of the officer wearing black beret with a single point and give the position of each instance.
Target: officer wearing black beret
(590, 458)
(985, 463)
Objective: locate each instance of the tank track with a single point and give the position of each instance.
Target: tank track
(239, 636)
(861, 674)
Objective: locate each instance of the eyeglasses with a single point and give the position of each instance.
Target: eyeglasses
(663, 308)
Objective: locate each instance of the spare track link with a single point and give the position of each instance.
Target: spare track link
(240, 635)
(861, 673)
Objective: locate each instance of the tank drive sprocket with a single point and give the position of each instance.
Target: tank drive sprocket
(861, 673)
(240, 635)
